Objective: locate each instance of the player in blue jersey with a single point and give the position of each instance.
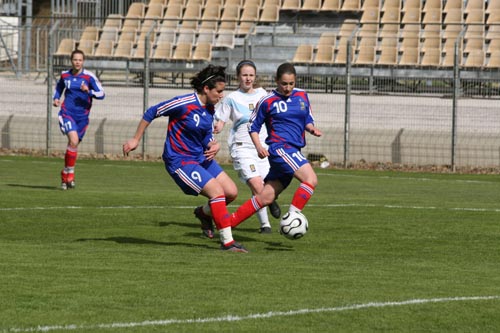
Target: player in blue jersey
(286, 113)
(238, 107)
(190, 148)
(80, 87)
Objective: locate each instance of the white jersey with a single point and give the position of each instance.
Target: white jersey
(238, 106)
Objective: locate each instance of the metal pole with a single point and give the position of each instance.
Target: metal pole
(50, 51)
(145, 101)
(347, 104)
(27, 52)
(456, 93)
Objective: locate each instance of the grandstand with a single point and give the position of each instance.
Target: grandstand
(382, 34)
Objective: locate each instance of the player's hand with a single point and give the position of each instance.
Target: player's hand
(213, 149)
(129, 146)
(315, 131)
(262, 152)
(84, 87)
(56, 103)
(219, 125)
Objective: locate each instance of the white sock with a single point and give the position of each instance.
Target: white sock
(293, 209)
(263, 218)
(226, 235)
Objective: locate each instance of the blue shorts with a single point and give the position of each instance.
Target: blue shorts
(284, 161)
(191, 178)
(68, 124)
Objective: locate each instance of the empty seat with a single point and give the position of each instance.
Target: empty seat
(154, 10)
(113, 21)
(211, 13)
(140, 50)
(230, 17)
(431, 57)
(87, 46)
(210, 3)
(206, 36)
(351, 6)
(327, 38)
(391, 4)
(203, 52)
(123, 49)
(270, 14)
(293, 5)
(493, 5)
(472, 44)
(475, 58)
(163, 51)
(411, 15)
(451, 5)
(493, 45)
(183, 51)
(312, 5)
(324, 55)
(388, 56)
(136, 9)
(186, 36)
(388, 42)
(167, 35)
(331, 5)
(365, 55)
(371, 4)
(412, 4)
(409, 41)
(161, 2)
(370, 15)
(494, 60)
(432, 5)
(105, 48)
(225, 39)
(303, 54)
(410, 56)
(90, 33)
(474, 5)
(109, 34)
(131, 23)
(128, 34)
(249, 16)
(431, 43)
(341, 53)
(348, 27)
(66, 46)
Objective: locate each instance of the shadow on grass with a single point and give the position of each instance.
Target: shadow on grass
(39, 187)
(133, 240)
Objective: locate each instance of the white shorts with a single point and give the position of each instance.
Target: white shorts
(247, 162)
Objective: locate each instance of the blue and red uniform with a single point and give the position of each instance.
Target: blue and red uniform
(285, 118)
(190, 130)
(75, 109)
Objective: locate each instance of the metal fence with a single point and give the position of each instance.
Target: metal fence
(368, 115)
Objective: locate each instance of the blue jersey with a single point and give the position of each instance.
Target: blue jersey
(285, 118)
(190, 129)
(77, 103)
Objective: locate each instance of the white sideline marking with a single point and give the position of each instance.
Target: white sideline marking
(340, 205)
(231, 318)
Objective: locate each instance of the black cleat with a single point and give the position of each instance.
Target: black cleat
(275, 209)
(234, 247)
(207, 226)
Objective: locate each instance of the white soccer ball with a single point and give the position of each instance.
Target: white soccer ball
(294, 225)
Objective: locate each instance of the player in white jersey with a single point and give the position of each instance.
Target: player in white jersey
(238, 107)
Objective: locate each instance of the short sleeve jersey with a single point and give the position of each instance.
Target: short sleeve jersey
(238, 107)
(190, 129)
(285, 117)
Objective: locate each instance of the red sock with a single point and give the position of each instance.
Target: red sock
(246, 210)
(219, 212)
(70, 157)
(302, 195)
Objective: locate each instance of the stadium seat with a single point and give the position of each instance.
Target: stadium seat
(327, 38)
(432, 5)
(391, 5)
(311, 5)
(113, 21)
(411, 15)
(341, 52)
(472, 44)
(365, 55)
(388, 42)
(109, 34)
(238, 3)
(291, 5)
(123, 49)
(90, 33)
(351, 6)
(163, 50)
(389, 22)
(136, 9)
(493, 5)
(270, 14)
(191, 16)
(160, 2)
(409, 41)
(248, 19)
(431, 57)
(230, 17)
(140, 50)
(410, 56)
(324, 55)
(371, 4)
(331, 5)
(303, 54)
(431, 42)
(475, 58)
(66, 46)
(211, 3)
(494, 60)
(167, 35)
(105, 48)
(154, 10)
(186, 36)
(203, 52)
(131, 23)
(412, 4)
(225, 39)
(473, 5)
(348, 27)
(451, 5)
(87, 46)
(206, 36)
(388, 56)
(183, 51)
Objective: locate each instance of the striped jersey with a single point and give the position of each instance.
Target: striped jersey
(190, 129)
(77, 103)
(284, 117)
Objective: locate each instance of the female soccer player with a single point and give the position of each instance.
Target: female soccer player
(238, 106)
(286, 112)
(190, 149)
(80, 86)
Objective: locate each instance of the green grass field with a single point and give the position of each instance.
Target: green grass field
(386, 251)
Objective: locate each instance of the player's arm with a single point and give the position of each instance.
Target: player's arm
(313, 130)
(132, 143)
(261, 151)
(56, 98)
(95, 90)
(221, 115)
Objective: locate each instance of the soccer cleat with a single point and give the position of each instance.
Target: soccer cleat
(64, 179)
(207, 226)
(275, 209)
(265, 230)
(70, 181)
(64, 187)
(233, 247)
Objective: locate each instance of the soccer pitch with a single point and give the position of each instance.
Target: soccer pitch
(123, 252)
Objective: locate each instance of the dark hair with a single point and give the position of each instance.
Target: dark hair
(285, 68)
(208, 76)
(245, 63)
(77, 51)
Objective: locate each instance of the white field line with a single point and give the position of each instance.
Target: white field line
(234, 318)
(340, 205)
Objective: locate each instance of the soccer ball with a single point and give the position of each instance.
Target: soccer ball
(294, 225)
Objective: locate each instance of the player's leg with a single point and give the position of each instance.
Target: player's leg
(308, 182)
(70, 158)
(256, 185)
